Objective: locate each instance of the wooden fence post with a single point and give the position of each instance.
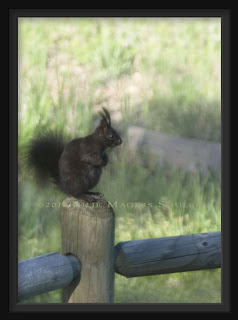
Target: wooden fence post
(88, 233)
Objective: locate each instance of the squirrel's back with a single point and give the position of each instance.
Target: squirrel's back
(43, 154)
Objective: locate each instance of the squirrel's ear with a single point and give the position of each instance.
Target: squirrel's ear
(104, 123)
(102, 128)
(108, 117)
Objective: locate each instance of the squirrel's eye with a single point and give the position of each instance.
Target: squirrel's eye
(111, 136)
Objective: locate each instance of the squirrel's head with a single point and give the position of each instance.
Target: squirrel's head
(108, 135)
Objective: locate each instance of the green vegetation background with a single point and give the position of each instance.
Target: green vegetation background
(160, 73)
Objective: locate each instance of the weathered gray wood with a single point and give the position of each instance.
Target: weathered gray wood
(166, 255)
(187, 154)
(88, 233)
(46, 273)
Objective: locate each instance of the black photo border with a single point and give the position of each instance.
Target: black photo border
(13, 306)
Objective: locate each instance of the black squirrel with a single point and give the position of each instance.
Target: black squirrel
(75, 167)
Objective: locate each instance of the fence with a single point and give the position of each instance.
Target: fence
(89, 261)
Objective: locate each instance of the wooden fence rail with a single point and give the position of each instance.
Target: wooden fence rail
(46, 273)
(170, 254)
(86, 268)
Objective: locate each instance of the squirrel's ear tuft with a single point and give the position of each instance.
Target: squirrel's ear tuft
(105, 122)
(105, 117)
(108, 117)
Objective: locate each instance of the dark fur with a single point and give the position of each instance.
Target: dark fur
(75, 167)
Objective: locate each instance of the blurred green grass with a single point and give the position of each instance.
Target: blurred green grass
(160, 73)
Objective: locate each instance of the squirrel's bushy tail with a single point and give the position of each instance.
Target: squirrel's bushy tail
(42, 156)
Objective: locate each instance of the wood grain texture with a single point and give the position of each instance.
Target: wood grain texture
(46, 273)
(166, 255)
(88, 233)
